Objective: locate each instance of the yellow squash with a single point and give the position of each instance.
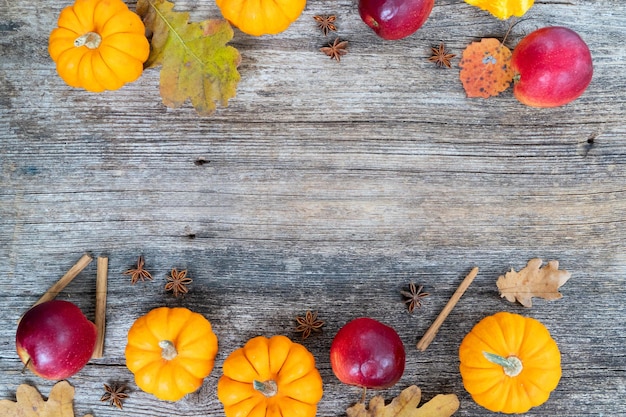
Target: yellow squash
(509, 363)
(272, 377)
(503, 9)
(99, 45)
(261, 17)
(171, 351)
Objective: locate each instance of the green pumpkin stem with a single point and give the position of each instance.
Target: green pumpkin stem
(512, 365)
(90, 39)
(267, 388)
(168, 350)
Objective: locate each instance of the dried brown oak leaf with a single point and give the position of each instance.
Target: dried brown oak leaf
(533, 281)
(30, 403)
(196, 64)
(404, 406)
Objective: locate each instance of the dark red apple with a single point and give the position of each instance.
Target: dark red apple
(395, 19)
(367, 353)
(552, 67)
(55, 339)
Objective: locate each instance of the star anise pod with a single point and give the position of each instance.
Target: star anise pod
(138, 273)
(308, 323)
(177, 282)
(336, 49)
(114, 395)
(326, 23)
(441, 57)
(414, 296)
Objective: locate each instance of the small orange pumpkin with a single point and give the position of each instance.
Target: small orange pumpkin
(257, 18)
(170, 351)
(509, 363)
(270, 377)
(99, 45)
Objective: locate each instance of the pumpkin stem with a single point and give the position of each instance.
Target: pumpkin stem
(90, 39)
(168, 350)
(267, 388)
(512, 365)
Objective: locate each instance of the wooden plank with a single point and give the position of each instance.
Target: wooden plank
(325, 186)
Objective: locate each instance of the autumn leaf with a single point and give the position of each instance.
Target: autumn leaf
(533, 281)
(404, 406)
(196, 63)
(503, 9)
(486, 68)
(30, 403)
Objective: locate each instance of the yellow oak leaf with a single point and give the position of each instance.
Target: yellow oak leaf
(486, 68)
(30, 403)
(533, 281)
(404, 406)
(503, 9)
(196, 64)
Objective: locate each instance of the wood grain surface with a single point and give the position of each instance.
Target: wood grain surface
(322, 186)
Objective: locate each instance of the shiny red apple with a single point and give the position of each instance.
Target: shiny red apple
(395, 19)
(552, 67)
(55, 339)
(367, 353)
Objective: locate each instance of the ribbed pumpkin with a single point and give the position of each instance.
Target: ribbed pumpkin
(509, 363)
(171, 351)
(272, 377)
(266, 17)
(99, 45)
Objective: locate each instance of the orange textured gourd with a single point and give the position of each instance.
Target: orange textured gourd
(170, 351)
(99, 45)
(509, 363)
(270, 377)
(257, 18)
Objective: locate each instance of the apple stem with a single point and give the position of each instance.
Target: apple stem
(363, 395)
(267, 388)
(26, 365)
(168, 350)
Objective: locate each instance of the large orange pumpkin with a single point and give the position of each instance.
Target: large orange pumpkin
(266, 17)
(509, 363)
(272, 377)
(170, 351)
(99, 45)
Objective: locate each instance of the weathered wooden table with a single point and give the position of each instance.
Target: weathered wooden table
(322, 186)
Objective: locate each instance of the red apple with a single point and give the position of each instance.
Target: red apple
(395, 19)
(367, 353)
(55, 339)
(552, 67)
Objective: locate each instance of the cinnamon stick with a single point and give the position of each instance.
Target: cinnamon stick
(101, 304)
(55, 289)
(430, 334)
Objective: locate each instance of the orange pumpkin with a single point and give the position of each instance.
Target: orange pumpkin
(509, 363)
(170, 351)
(272, 377)
(99, 45)
(257, 18)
